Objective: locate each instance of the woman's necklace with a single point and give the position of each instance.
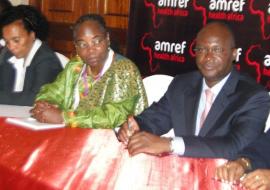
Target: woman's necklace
(85, 83)
(97, 77)
(85, 79)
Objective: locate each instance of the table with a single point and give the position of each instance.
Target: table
(14, 111)
(82, 159)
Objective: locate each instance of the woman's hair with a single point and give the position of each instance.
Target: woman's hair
(101, 22)
(32, 19)
(4, 5)
(90, 17)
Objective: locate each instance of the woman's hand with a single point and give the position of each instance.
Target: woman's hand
(258, 179)
(45, 112)
(39, 107)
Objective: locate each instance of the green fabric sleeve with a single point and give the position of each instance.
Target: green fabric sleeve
(60, 92)
(52, 92)
(116, 95)
(109, 115)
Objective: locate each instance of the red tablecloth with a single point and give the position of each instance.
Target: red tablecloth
(81, 159)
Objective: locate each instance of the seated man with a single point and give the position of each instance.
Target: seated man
(255, 158)
(239, 106)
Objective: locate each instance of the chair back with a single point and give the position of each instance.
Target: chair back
(156, 86)
(63, 59)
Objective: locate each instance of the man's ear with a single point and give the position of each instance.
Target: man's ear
(33, 35)
(234, 53)
(108, 39)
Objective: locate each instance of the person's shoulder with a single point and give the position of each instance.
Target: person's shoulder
(44, 52)
(246, 87)
(189, 77)
(123, 62)
(124, 68)
(73, 68)
(190, 74)
(6, 53)
(75, 63)
(45, 49)
(185, 81)
(249, 83)
(46, 56)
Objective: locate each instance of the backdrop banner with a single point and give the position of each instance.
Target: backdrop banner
(162, 33)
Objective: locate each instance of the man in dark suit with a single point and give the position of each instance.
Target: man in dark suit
(256, 158)
(239, 106)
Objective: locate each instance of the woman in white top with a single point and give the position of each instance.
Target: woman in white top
(27, 63)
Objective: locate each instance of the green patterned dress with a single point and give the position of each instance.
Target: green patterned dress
(117, 94)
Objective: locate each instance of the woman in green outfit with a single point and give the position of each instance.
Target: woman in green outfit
(97, 89)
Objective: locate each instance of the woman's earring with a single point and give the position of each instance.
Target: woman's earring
(78, 57)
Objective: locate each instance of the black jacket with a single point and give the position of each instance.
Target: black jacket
(43, 69)
(236, 118)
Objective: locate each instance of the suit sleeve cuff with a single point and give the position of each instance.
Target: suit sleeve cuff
(178, 146)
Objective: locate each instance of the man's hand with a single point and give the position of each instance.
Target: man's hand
(127, 130)
(45, 112)
(232, 171)
(143, 142)
(257, 180)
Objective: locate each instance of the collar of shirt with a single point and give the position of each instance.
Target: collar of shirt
(21, 64)
(106, 66)
(2, 42)
(108, 62)
(215, 89)
(13, 60)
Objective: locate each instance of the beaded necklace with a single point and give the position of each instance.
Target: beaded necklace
(95, 78)
(86, 85)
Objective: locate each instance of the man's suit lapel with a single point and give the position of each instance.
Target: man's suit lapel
(220, 103)
(191, 100)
